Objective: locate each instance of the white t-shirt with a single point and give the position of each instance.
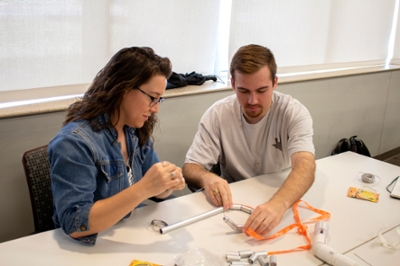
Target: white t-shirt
(247, 150)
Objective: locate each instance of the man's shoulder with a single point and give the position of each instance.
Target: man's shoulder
(280, 96)
(225, 104)
(226, 101)
(286, 100)
(222, 110)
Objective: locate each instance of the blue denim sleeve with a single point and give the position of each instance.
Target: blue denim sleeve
(150, 157)
(73, 180)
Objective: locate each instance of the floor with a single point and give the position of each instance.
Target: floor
(394, 160)
(392, 156)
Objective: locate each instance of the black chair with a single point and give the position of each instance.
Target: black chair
(37, 171)
(216, 169)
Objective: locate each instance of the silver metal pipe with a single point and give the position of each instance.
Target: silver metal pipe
(272, 261)
(245, 253)
(254, 256)
(263, 260)
(239, 263)
(236, 207)
(246, 209)
(233, 258)
(194, 219)
(232, 224)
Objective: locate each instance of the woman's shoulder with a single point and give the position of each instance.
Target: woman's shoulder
(76, 126)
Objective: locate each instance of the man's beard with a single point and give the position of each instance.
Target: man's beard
(254, 113)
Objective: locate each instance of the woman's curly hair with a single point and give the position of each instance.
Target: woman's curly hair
(127, 69)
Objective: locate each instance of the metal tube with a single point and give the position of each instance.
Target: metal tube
(232, 257)
(236, 207)
(232, 224)
(254, 256)
(245, 253)
(263, 260)
(272, 261)
(246, 209)
(191, 220)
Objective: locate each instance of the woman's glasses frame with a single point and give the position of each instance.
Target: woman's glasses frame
(154, 100)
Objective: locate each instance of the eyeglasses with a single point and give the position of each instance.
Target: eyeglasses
(154, 101)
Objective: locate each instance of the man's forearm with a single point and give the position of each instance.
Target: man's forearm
(194, 174)
(299, 180)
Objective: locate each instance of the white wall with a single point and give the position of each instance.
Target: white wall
(366, 105)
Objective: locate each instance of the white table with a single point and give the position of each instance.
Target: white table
(375, 254)
(353, 224)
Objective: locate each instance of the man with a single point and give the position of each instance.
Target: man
(253, 132)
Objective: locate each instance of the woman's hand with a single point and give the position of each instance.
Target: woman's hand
(162, 178)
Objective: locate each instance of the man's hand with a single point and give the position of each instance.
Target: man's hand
(265, 218)
(217, 189)
(268, 215)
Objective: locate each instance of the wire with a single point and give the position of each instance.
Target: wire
(391, 183)
(363, 259)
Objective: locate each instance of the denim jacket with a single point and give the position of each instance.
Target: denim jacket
(86, 166)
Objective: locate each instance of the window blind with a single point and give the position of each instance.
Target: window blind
(312, 34)
(62, 42)
(395, 60)
(56, 43)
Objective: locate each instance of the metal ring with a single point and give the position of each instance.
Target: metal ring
(172, 174)
(216, 192)
(158, 224)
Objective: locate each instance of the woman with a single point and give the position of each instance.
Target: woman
(103, 164)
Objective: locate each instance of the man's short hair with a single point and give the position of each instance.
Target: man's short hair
(250, 58)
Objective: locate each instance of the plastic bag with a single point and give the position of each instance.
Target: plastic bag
(198, 257)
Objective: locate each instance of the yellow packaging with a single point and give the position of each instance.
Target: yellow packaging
(143, 263)
(363, 194)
